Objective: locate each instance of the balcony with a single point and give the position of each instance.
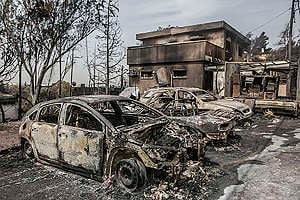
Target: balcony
(195, 51)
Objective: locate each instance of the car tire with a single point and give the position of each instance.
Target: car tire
(27, 150)
(131, 174)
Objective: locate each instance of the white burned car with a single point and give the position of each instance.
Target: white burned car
(185, 101)
(100, 136)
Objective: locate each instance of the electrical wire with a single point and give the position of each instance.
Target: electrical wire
(270, 20)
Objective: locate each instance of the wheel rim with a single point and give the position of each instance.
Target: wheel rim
(127, 176)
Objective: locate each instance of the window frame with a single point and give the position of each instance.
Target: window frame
(179, 70)
(64, 120)
(147, 77)
(37, 118)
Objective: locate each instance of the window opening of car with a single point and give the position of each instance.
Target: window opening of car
(205, 96)
(111, 111)
(50, 113)
(80, 118)
(32, 115)
(125, 112)
(131, 107)
(184, 95)
(148, 94)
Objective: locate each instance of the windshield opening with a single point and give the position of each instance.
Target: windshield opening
(125, 112)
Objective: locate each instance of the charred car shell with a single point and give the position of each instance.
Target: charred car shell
(213, 124)
(106, 135)
(187, 101)
(216, 123)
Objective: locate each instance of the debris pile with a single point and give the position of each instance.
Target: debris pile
(192, 183)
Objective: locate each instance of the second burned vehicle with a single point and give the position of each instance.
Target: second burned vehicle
(102, 136)
(184, 101)
(215, 116)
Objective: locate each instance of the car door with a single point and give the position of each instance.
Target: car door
(81, 139)
(44, 131)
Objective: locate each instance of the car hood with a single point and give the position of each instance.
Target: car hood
(210, 123)
(165, 132)
(229, 104)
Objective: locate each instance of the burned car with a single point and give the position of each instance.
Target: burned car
(102, 136)
(184, 101)
(216, 127)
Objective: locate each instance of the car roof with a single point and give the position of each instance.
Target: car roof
(88, 99)
(176, 88)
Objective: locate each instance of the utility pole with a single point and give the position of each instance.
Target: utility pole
(72, 66)
(59, 93)
(94, 82)
(122, 77)
(107, 49)
(298, 83)
(20, 93)
(291, 29)
(292, 18)
(87, 60)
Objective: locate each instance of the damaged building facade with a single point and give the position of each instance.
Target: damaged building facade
(177, 56)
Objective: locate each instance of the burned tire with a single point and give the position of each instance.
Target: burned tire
(131, 174)
(27, 150)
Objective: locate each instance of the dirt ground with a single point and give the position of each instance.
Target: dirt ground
(253, 145)
(9, 134)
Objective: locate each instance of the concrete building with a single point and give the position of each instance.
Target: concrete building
(177, 56)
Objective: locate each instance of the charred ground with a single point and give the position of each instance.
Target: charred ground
(24, 179)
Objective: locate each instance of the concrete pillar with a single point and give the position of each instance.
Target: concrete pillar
(230, 70)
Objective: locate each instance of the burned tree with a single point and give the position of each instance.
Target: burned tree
(42, 32)
(110, 51)
(8, 64)
(259, 44)
(282, 51)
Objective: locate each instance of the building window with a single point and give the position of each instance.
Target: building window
(240, 52)
(146, 74)
(228, 46)
(179, 73)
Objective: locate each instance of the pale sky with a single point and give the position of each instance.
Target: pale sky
(138, 16)
(245, 15)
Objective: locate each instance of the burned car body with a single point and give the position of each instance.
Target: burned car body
(184, 101)
(213, 124)
(215, 120)
(104, 135)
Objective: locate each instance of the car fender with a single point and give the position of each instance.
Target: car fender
(33, 147)
(124, 153)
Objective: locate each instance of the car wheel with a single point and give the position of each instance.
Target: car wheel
(131, 174)
(27, 150)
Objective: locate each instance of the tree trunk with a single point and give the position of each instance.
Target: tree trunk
(37, 88)
(2, 113)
